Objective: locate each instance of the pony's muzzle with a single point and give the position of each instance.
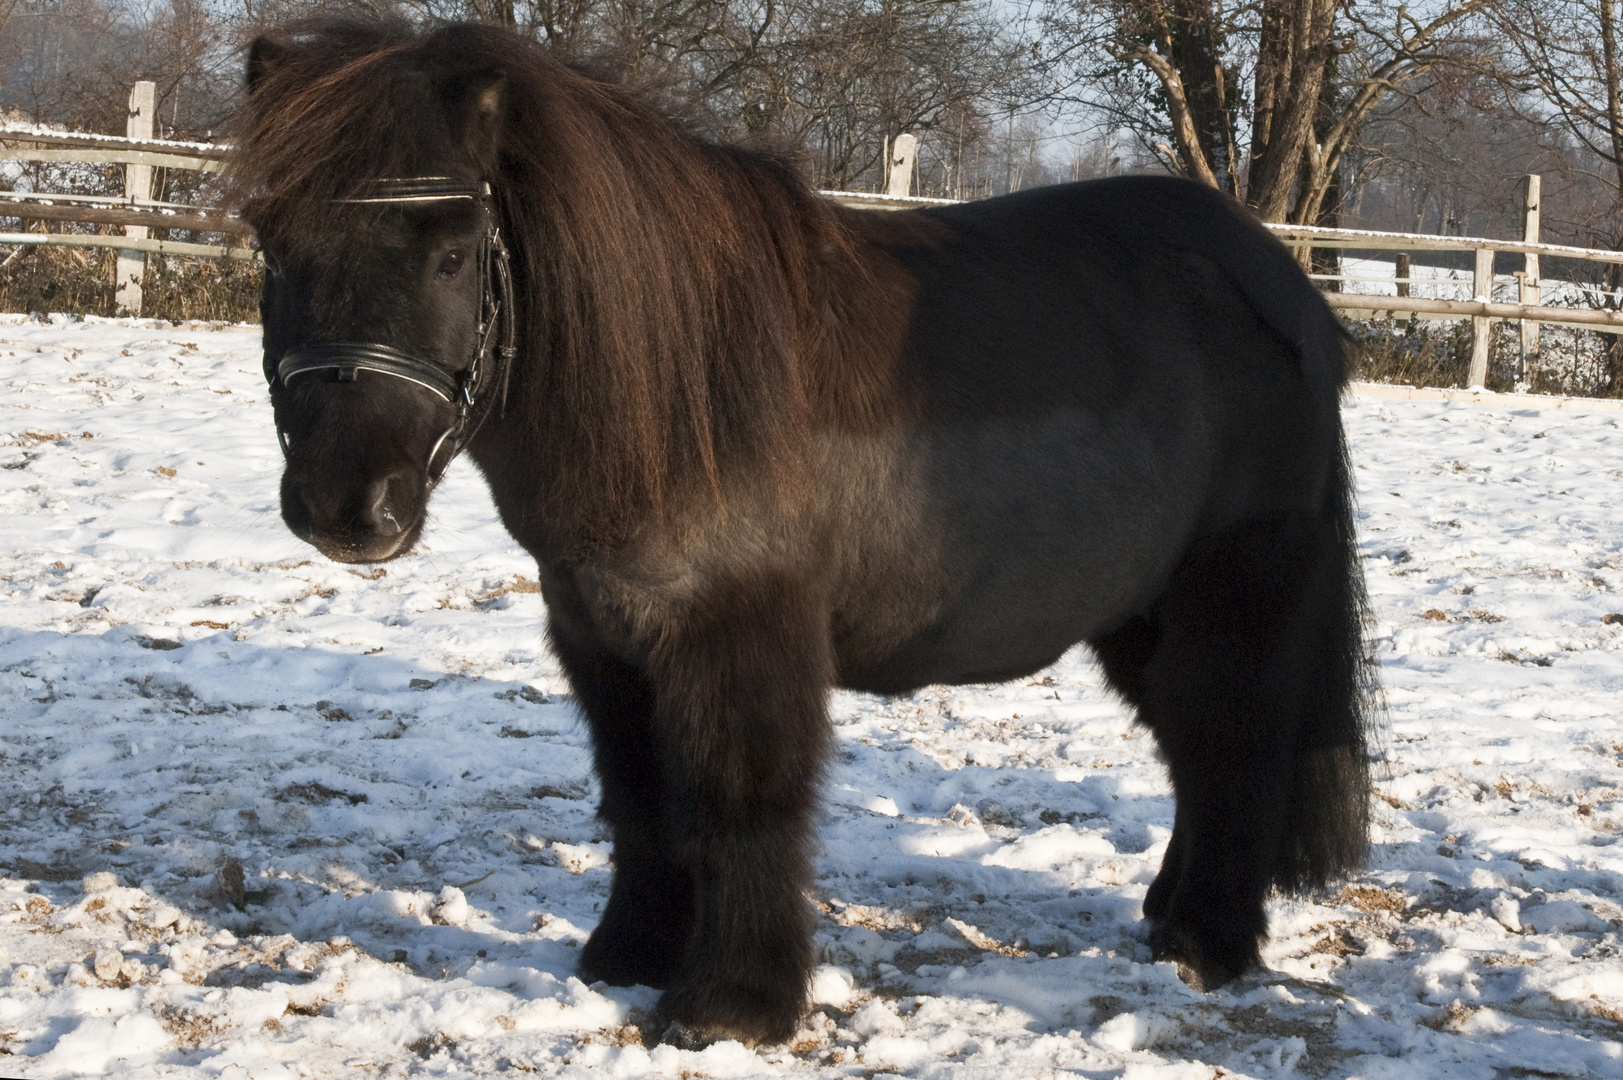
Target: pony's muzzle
(376, 520)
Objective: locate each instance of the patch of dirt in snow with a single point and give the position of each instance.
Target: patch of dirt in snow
(271, 816)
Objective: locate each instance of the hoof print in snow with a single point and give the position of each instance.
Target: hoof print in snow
(317, 793)
(429, 1045)
(573, 791)
(524, 693)
(1339, 943)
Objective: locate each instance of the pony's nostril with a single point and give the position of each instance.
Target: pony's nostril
(383, 509)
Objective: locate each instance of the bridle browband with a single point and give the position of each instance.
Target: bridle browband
(463, 388)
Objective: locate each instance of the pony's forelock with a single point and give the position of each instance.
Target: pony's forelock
(316, 123)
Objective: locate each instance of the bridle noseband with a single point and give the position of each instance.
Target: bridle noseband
(463, 388)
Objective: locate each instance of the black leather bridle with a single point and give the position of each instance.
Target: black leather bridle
(487, 367)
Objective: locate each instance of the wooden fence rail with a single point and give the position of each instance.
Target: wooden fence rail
(97, 215)
(1369, 306)
(118, 151)
(1318, 237)
(121, 244)
(137, 212)
(1532, 311)
(111, 157)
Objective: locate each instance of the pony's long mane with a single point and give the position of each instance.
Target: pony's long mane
(681, 303)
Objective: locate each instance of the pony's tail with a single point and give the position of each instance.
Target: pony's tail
(1327, 821)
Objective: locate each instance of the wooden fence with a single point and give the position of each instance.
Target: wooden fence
(137, 212)
(135, 209)
(1530, 309)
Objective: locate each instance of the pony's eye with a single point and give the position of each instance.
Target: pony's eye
(451, 264)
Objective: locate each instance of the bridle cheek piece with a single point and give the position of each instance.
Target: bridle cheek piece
(465, 388)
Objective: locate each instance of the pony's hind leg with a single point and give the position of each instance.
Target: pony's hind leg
(648, 920)
(1247, 673)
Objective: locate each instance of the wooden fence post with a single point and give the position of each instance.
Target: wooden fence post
(899, 165)
(1530, 292)
(1481, 325)
(131, 264)
(1404, 271)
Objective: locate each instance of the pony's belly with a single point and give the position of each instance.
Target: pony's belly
(1003, 602)
(913, 668)
(991, 637)
(1036, 539)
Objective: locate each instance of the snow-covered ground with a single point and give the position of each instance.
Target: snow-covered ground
(266, 816)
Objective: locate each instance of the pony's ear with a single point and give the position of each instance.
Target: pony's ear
(478, 103)
(264, 57)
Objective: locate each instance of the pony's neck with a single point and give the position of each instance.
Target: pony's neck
(668, 288)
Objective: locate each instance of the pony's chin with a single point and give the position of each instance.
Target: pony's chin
(374, 549)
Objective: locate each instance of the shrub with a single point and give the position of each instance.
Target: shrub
(79, 281)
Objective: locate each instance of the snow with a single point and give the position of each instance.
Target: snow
(1375, 277)
(268, 816)
(115, 141)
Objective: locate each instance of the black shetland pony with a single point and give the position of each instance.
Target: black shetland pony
(761, 446)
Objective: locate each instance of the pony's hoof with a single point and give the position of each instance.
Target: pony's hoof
(1199, 965)
(1204, 979)
(685, 1036)
(704, 1015)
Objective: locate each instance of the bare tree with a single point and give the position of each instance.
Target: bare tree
(1303, 76)
(825, 81)
(858, 72)
(1562, 64)
(72, 62)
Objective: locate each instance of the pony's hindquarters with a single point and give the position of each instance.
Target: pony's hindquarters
(1131, 431)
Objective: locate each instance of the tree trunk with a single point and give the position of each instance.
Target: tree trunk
(1318, 189)
(1298, 133)
(1272, 81)
(1614, 93)
(1195, 49)
(1614, 117)
(1293, 53)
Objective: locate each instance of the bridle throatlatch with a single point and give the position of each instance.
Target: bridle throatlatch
(487, 368)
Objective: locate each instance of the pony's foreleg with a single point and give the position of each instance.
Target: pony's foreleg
(648, 920)
(741, 687)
